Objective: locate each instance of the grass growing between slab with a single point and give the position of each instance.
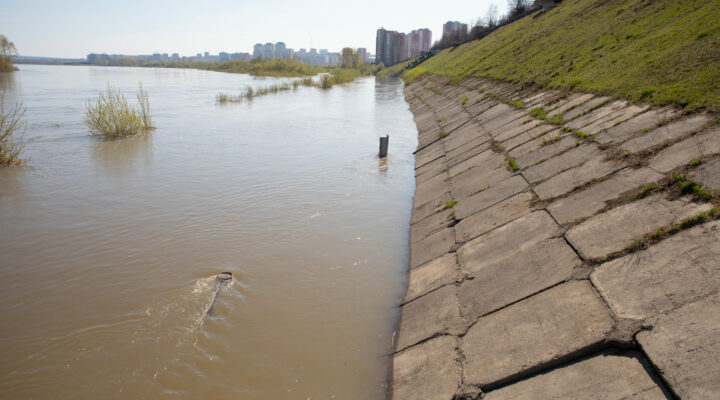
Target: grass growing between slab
(449, 204)
(661, 52)
(662, 233)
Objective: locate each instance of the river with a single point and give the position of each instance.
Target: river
(110, 248)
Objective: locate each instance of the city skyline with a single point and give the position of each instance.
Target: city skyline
(81, 27)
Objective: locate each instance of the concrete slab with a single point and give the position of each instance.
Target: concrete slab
(645, 121)
(613, 119)
(533, 333)
(708, 174)
(507, 121)
(490, 218)
(499, 282)
(566, 181)
(430, 370)
(584, 108)
(683, 152)
(431, 170)
(555, 165)
(610, 375)
(506, 240)
(591, 200)
(432, 247)
(480, 107)
(433, 223)
(433, 314)
(438, 272)
(598, 114)
(521, 125)
(572, 101)
(493, 195)
(468, 150)
(684, 346)
(526, 137)
(423, 210)
(674, 272)
(478, 179)
(615, 230)
(666, 133)
(495, 111)
(543, 148)
(430, 188)
(488, 159)
(471, 131)
(429, 154)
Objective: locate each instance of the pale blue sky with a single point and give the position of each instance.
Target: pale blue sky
(74, 28)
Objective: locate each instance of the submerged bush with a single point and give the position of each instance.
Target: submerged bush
(112, 116)
(326, 81)
(11, 141)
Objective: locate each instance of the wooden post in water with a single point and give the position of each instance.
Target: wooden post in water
(384, 146)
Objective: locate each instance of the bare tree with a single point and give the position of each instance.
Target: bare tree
(491, 18)
(516, 8)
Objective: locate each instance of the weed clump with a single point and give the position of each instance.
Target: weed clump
(11, 141)
(539, 113)
(691, 187)
(111, 116)
(449, 204)
(515, 167)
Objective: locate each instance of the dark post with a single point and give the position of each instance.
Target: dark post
(384, 145)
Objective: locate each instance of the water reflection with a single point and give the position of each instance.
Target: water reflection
(7, 81)
(382, 165)
(119, 157)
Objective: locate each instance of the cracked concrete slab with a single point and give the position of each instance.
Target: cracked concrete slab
(490, 218)
(609, 375)
(684, 346)
(535, 332)
(431, 224)
(666, 133)
(478, 179)
(615, 230)
(490, 196)
(431, 170)
(438, 272)
(430, 370)
(431, 247)
(506, 240)
(584, 108)
(499, 282)
(594, 198)
(484, 160)
(429, 207)
(543, 148)
(570, 179)
(683, 152)
(708, 174)
(555, 165)
(674, 272)
(645, 121)
(431, 315)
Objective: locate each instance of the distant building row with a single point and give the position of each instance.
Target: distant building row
(392, 47)
(312, 57)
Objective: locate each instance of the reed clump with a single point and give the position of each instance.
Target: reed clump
(11, 138)
(111, 116)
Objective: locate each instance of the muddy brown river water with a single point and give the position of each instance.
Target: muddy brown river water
(109, 249)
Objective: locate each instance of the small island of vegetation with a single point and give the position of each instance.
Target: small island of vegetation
(111, 116)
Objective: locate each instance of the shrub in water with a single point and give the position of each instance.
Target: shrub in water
(10, 124)
(112, 116)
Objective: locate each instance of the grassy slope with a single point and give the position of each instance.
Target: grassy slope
(660, 51)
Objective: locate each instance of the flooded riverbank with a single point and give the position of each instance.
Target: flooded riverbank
(110, 248)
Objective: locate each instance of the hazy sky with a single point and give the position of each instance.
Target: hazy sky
(74, 28)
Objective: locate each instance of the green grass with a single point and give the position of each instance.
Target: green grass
(539, 113)
(513, 164)
(111, 116)
(695, 162)
(688, 186)
(517, 104)
(645, 191)
(464, 100)
(549, 141)
(395, 69)
(661, 51)
(11, 136)
(580, 134)
(556, 119)
(256, 67)
(449, 204)
(686, 223)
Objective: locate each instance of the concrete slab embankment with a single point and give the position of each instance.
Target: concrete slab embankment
(559, 259)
